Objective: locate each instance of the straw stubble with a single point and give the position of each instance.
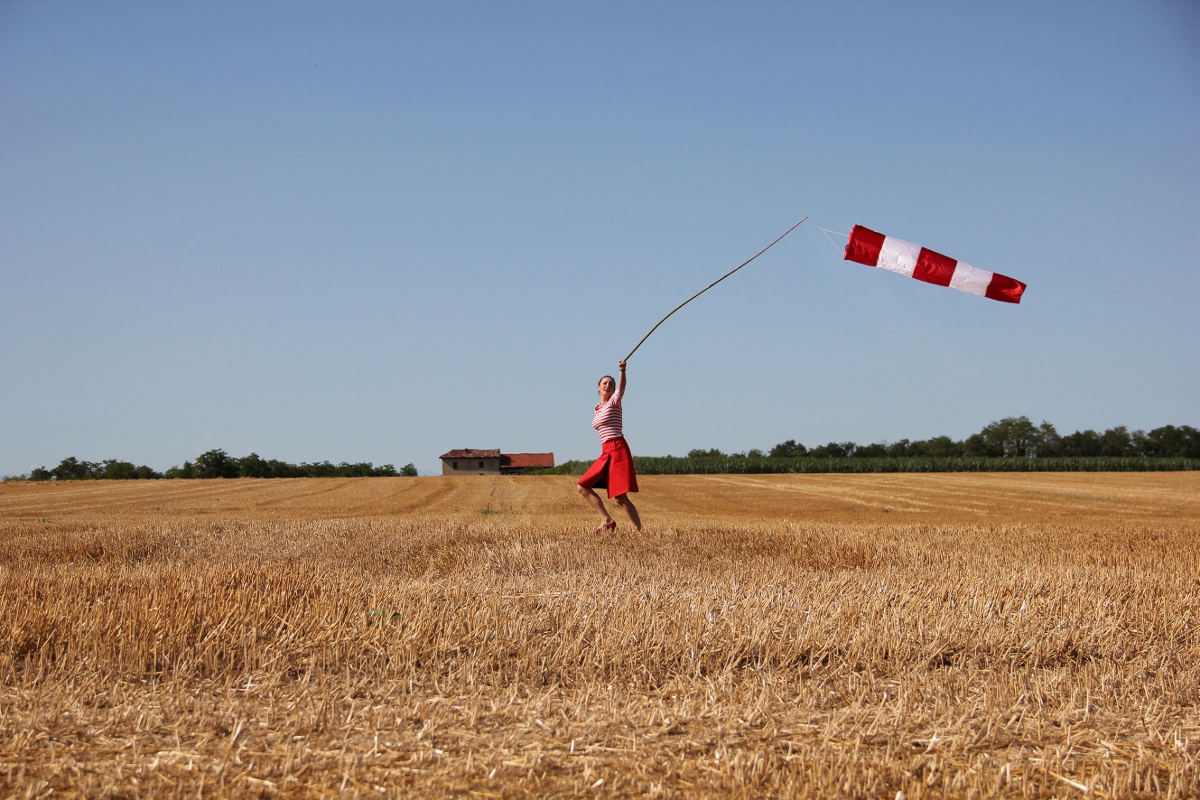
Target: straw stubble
(786, 636)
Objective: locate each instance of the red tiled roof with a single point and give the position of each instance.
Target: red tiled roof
(527, 460)
(472, 454)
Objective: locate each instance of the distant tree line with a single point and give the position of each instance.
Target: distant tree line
(215, 464)
(1013, 444)
(1011, 437)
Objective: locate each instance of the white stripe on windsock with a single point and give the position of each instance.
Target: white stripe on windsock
(970, 279)
(899, 256)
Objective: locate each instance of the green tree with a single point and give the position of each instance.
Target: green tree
(1137, 443)
(188, 470)
(788, 449)
(408, 470)
(1081, 444)
(114, 470)
(834, 450)
(977, 447)
(217, 464)
(1116, 442)
(253, 466)
(72, 469)
(943, 447)
(1165, 442)
(1011, 437)
(1048, 441)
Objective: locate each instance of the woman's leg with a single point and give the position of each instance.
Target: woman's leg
(595, 502)
(625, 503)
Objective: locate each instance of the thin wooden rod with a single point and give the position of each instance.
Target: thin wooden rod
(714, 283)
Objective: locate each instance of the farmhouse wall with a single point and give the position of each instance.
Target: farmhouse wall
(471, 466)
(492, 462)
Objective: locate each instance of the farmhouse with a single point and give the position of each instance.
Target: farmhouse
(492, 462)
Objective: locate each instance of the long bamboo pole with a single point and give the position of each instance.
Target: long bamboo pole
(714, 283)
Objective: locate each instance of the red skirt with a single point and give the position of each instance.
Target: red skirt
(613, 470)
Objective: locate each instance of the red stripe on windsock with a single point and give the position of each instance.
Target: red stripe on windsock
(864, 246)
(1005, 289)
(934, 268)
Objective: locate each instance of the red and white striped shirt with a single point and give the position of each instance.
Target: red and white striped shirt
(607, 420)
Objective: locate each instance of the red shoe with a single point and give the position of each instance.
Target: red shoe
(606, 527)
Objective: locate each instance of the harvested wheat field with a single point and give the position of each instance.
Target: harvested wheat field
(962, 635)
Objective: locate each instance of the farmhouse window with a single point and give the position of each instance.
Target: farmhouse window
(481, 465)
(455, 465)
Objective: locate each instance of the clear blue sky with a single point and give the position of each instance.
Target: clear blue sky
(379, 231)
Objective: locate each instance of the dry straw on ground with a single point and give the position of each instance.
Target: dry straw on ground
(767, 636)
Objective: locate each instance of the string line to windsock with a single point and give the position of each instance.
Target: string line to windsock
(825, 232)
(714, 283)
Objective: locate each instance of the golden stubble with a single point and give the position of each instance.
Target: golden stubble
(1028, 635)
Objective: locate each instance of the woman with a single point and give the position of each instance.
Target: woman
(613, 470)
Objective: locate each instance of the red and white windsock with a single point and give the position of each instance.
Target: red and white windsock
(876, 250)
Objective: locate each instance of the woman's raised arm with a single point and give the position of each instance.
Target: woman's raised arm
(621, 383)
